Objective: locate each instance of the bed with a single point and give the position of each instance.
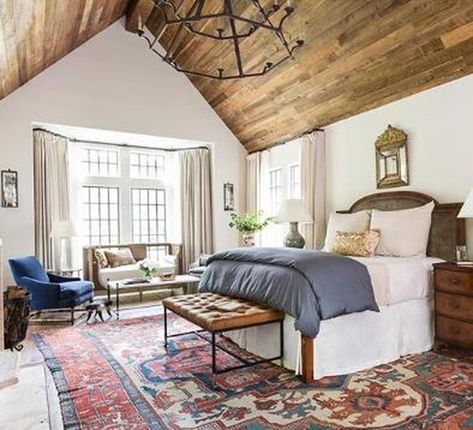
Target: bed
(403, 291)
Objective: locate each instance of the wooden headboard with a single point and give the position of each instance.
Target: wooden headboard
(447, 231)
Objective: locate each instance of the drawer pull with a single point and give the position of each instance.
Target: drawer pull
(454, 281)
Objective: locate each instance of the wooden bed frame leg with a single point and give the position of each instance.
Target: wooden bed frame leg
(307, 359)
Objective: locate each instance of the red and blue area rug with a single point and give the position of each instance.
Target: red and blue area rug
(119, 376)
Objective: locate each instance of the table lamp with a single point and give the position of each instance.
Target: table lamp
(466, 212)
(294, 211)
(63, 230)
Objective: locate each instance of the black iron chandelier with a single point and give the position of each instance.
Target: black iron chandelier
(193, 17)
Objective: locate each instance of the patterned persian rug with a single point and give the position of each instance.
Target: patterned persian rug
(118, 375)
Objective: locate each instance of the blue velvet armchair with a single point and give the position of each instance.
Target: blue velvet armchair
(48, 291)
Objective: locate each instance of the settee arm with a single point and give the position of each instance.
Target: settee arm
(176, 250)
(44, 295)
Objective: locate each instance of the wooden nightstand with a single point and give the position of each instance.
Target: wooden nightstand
(453, 305)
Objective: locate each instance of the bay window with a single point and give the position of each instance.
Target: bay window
(126, 195)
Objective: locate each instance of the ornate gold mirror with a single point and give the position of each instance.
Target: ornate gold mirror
(391, 159)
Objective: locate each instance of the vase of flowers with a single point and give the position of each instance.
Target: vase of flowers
(249, 224)
(148, 268)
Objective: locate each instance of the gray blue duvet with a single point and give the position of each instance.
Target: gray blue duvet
(309, 285)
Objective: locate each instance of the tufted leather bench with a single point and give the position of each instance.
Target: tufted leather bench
(204, 310)
(207, 311)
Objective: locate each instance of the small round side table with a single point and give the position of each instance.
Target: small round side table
(96, 307)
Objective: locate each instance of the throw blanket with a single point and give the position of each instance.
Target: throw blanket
(309, 285)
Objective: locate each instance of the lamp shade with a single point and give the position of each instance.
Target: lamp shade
(63, 229)
(293, 210)
(467, 209)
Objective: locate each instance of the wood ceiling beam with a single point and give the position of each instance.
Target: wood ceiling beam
(138, 10)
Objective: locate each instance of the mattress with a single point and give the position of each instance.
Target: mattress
(399, 279)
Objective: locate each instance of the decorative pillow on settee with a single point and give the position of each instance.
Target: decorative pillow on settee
(101, 258)
(120, 258)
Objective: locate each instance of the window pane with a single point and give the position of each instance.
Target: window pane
(94, 156)
(144, 197)
(94, 194)
(103, 194)
(113, 194)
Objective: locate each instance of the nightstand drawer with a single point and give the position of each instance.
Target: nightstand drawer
(454, 282)
(454, 306)
(455, 332)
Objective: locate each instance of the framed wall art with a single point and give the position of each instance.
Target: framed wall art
(391, 159)
(9, 180)
(228, 197)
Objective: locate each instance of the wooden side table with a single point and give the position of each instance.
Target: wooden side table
(453, 305)
(69, 272)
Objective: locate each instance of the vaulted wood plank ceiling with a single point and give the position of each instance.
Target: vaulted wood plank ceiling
(36, 33)
(359, 54)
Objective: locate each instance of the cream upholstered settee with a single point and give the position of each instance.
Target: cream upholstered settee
(100, 274)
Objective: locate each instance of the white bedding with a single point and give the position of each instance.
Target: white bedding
(346, 344)
(398, 279)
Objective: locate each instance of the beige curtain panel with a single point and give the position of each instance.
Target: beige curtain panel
(253, 182)
(51, 192)
(196, 204)
(313, 187)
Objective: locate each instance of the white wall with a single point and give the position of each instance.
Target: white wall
(112, 82)
(440, 147)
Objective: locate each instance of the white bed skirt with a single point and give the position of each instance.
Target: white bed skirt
(349, 343)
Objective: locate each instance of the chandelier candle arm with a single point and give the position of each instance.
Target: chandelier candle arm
(197, 14)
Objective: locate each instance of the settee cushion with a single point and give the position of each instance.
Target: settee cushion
(129, 271)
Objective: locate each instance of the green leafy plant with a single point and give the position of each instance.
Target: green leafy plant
(149, 268)
(249, 223)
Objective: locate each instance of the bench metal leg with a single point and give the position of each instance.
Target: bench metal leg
(117, 300)
(165, 327)
(214, 346)
(214, 359)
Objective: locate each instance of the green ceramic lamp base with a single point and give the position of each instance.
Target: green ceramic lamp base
(294, 239)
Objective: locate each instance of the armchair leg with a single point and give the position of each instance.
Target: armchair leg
(72, 316)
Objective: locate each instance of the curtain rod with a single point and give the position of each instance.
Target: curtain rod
(282, 142)
(121, 145)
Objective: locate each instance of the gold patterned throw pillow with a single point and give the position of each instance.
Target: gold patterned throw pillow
(356, 244)
(101, 258)
(120, 258)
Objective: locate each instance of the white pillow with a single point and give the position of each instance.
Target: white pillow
(404, 233)
(356, 222)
